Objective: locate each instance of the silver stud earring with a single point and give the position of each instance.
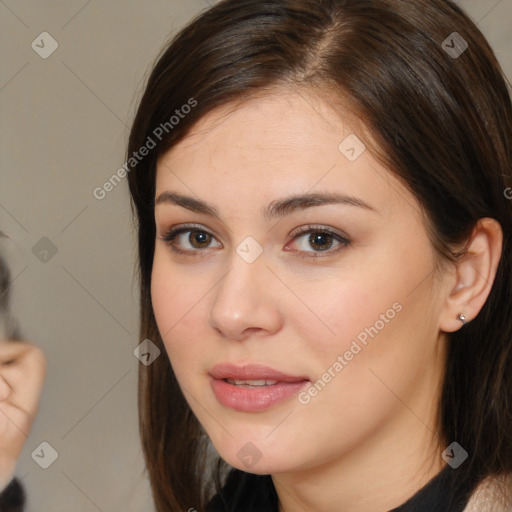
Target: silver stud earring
(462, 318)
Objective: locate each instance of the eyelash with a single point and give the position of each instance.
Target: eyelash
(169, 237)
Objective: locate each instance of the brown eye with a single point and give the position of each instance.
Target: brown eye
(315, 240)
(199, 239)
(321, 241)
(190, 240)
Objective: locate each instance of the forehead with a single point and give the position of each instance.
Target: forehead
(274, 145)
(294, 126)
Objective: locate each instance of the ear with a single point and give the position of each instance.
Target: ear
(474, 275)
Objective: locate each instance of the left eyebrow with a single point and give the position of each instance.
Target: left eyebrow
(275, 209)
(281, 207)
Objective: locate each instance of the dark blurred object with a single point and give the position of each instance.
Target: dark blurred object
(13, 497)
(9, 329)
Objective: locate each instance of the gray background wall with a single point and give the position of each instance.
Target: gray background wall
(63, 129)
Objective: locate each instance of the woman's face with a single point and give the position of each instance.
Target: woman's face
(301, 253)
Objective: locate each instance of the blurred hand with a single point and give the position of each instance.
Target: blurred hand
(22, 373)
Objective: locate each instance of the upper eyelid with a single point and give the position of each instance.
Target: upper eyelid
(185, 227)
(301, 230)
(296, 233)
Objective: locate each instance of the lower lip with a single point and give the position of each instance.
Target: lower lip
(254, 399)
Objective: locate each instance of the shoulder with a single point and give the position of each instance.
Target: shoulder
(494, 494)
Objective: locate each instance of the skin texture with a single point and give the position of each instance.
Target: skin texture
(374, 425)
(22, 373)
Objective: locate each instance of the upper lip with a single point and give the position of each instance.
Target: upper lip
(251, 372)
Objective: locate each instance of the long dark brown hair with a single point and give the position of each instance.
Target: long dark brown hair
(440, 121)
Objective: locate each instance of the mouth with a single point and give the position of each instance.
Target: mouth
(251, 383)
(253, 388)
(252, 373)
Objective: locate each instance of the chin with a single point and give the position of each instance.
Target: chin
(258, 456)
(268, 467)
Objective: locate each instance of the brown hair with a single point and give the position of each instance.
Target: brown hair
(442, 123)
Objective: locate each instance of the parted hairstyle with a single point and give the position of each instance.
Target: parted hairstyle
(439, 121)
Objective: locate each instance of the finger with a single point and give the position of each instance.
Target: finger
(26, 377)
(5, 389)
(14, 426)
(11, 351)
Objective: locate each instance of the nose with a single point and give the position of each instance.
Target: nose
(244, 303)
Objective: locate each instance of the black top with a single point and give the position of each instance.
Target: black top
(245, 492)
(12, 499)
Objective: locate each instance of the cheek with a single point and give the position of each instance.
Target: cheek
(164, 296)
(178, 299)
(342, 308)
(373, 318)
(173, 293)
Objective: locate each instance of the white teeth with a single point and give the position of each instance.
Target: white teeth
(252, 383)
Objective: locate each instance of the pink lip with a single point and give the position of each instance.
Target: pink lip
(251, 372)
(253, 399)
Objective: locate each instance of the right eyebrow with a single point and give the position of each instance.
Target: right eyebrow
(187, 202)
